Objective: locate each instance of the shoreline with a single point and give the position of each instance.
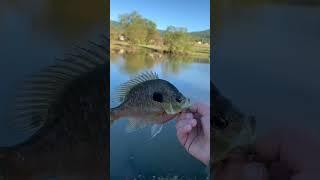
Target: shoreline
(199, 51)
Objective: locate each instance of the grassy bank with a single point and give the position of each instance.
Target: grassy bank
(198, 51)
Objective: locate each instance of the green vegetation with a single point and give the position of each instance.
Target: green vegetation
(177, 40)
(203, 36)
(134, 31)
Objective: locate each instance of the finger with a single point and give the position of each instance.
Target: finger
(184, 116)
(182, 133)
(200, 108)
(202, 112)
(205, 122)
(185, 122)
(193, 122)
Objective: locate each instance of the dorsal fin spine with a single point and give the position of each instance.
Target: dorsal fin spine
(125, 88)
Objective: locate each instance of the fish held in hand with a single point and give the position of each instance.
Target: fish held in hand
(148, 100)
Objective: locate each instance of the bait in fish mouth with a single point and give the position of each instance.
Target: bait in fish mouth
(148, 100)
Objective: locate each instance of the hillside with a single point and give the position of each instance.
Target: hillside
(201, 35)
(198, 35)
(114, 23)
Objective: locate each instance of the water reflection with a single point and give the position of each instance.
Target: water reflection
(135, 62)
(132, 63)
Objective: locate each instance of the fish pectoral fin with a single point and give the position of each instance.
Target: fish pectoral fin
(134, 125)
(156, 129)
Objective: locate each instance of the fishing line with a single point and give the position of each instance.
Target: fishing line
(197, 129)
(186, 140)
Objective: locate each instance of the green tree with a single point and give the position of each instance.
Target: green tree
(153, 35)
(177, 40)
(114, 32)
(138, 29)
(135, 27)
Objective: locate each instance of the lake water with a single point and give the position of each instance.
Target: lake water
(130, 153)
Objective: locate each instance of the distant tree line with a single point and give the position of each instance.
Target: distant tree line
(135, 29)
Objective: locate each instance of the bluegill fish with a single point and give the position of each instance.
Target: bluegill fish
(148, 100)
(233, 131)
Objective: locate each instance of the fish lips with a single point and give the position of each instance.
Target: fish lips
(165, 117)
(186, 104)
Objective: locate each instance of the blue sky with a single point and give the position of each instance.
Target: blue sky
(192, 14)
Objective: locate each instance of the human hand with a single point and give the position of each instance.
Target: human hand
(283, 154)
(193, 131)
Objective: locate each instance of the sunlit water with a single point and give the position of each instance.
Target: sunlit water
(132, 153)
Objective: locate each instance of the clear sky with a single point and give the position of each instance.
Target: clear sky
(192, 14)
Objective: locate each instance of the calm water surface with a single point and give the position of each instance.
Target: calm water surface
(130, 153)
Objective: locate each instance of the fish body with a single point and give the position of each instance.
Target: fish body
(233, 131)
(148, 100)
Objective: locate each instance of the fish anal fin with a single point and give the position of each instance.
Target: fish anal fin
(156, 129)
(135, 124)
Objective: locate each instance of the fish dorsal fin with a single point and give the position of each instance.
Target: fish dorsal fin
(38, 93)
(124, 88)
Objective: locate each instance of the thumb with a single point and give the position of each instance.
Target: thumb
(255, 171)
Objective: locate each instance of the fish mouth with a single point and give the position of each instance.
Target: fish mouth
(173, 109)
(186, 104)
(167, 116)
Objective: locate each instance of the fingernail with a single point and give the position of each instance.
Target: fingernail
(188, 128)
(193, 122)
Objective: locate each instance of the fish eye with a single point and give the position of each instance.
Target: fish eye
(157, 97)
